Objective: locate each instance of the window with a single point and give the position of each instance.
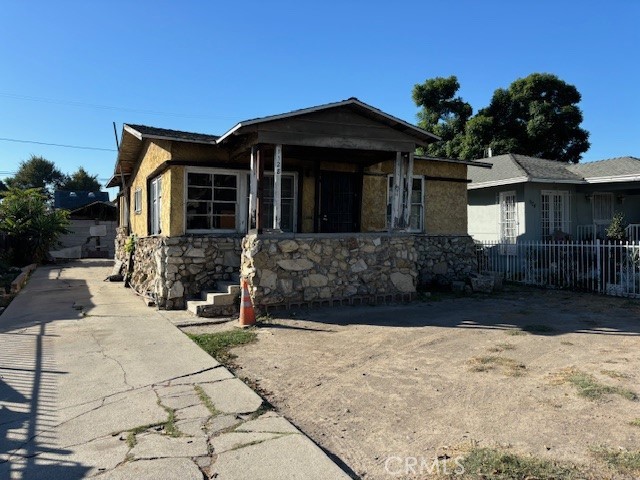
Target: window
(212, 201)
(555, 213)
(155, 196)
(416, 215)
(137, 201)
(602, 208)
(508, 217)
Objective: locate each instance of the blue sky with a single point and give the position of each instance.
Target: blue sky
(71, 68)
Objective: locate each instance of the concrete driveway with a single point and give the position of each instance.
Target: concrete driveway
(95, 383)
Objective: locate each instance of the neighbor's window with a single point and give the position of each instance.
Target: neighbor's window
(416, 215)
(137, 201)
(556, 212)
(602, 208)
(212, 201)
(155, 196)
(508, 217)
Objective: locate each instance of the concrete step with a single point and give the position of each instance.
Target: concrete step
(221, 302)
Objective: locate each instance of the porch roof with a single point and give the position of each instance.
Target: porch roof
(421, 135)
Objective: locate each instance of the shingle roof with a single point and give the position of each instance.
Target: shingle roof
(607, 168)
(73, 200)
(504, 167)
(147, 131)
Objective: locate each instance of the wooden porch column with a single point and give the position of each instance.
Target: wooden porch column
(253, 187)
(277, 186)
(396, 193)
(408, 187)
(260, 188)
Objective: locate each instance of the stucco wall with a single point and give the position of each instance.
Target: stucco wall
(176, 206)
(154, 153)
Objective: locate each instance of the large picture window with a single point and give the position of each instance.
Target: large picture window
(556, 213)
(212, 201)
(416, 215)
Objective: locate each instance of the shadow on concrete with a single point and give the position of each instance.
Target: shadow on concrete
(28, 381)
(530, 310)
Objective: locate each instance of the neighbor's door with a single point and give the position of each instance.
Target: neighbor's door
(338, 209)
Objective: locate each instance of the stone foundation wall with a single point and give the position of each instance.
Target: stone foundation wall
(122, 236)
(194, 263)
(454, 257)
(171, 270)
(327, 269)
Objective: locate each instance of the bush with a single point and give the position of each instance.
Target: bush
(615, 230)
(31, 226)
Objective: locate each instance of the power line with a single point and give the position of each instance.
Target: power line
(107, 107)
(58, 145)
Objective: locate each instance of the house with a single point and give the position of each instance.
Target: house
(92, 225)
(527, 198)
(328, 204)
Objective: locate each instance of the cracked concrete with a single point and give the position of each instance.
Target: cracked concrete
(95, 384)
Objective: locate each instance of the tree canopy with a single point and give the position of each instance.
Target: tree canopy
(81, 180)
(37, 172)
(537, 115)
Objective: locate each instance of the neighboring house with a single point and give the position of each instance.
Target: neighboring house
(530, 198)
(320, 205)
(93, 222)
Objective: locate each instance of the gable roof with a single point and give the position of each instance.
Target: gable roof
(512, 168)
(364, 109)
(72, 200)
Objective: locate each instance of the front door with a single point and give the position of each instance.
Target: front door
(338, 202)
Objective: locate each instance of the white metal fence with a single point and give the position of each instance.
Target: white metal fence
(603, 267)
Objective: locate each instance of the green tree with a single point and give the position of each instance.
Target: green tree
(32, 227)
(537, 115)
(442, 113)
(37, 172)
(3, 186)
(81, 180)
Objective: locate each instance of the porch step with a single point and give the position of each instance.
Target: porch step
(219, 303)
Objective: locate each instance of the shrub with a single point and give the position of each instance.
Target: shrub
(32, 227)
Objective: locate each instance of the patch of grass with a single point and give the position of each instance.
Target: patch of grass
(490, 362)
(493, 464)
(501, 347)
(515, 332)
(131, 440)
(538, 328)
(590, 388)
(614, 374)
(170, 424)
(566, 343)
(635, 423)
(206, 400)
(218, 344)
(621, 460)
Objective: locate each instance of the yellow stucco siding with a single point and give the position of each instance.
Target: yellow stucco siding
(445, 202)
(153, 155)
(176, 206)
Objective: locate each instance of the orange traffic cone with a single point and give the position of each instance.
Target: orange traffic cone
(247, 315)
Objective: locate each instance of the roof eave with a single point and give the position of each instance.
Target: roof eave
(473, 163)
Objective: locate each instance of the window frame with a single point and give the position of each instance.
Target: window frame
(137, 201)
(155, 205)
(502, 196)
(242, 194)
(596, 197)
(421, 228)
(565, 195)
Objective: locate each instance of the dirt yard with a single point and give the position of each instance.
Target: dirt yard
(545, 374)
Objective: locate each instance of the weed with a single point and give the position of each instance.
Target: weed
(170, 425)
(566, 343)
(131, 440)
(635, 423)
(206, 400)
(218, 344)
(590, 388)
(484, 364)
(515, 332)
(501, 347)
(621, 460)
(493, 464)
